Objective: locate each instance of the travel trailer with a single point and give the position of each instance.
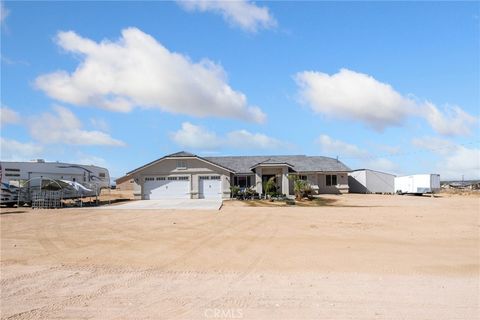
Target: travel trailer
(75, 180)
(417, 184)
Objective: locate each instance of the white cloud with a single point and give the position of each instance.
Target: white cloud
(13, 150)
(360, 157)
(4, 12)
(99, 124)
(65, 128)
(87, 159)
(334, 147)
(463, 162)
(353, 95)
(454, 121)
(357, 96)
(245, 140)
(437, 145)
(197, 137)
(389, 149)
(8, 116)
(455, 160)
(241, 13)
(137, 70)
(382, 164)
(12, 62)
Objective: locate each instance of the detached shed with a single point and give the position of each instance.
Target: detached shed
(371, 181)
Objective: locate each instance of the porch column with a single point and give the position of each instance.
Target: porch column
(258, 180)
(285, 184)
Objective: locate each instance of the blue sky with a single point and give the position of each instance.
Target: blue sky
(384, 85)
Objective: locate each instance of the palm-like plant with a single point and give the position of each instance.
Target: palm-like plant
(298, 186)
(301, 188)
(234, 191)
(270, 186)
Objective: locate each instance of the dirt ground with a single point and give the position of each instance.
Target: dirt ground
(363, 257)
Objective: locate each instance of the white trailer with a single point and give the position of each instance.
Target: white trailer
(370, 181)
(35, 174)
(417, 184)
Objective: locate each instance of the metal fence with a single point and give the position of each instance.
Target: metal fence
(46, 199)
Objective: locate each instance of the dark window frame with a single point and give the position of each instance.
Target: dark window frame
(331, 180)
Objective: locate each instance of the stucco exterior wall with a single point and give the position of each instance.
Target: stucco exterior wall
(129, 185)
(341, 187)
(194, 169)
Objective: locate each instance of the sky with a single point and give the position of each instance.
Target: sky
(390, 86)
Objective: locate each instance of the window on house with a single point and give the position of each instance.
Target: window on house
(181, 164)
(172, 178)
(215, 178)
(160, 178)
(204, 177)
(302, 177)
(331, 180)
(243, 181)
(149, 179)
(183, 178)
(101, 174)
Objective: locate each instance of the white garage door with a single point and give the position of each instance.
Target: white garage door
(210, 187)
(156, 188)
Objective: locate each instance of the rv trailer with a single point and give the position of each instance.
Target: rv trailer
(417, 184)
(75, 180)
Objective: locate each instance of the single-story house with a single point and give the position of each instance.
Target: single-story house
(186, 175)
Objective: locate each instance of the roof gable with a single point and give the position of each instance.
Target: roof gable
(181, 154)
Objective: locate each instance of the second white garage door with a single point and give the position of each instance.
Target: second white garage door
(210, 187)
(156, 188)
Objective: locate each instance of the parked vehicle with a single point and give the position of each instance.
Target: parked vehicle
(75, 180)
(417, 184)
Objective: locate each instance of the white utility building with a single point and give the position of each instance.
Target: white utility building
(371, 181)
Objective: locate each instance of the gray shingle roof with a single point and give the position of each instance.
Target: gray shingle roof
(244, 164)
(300, 163)
(181, 154)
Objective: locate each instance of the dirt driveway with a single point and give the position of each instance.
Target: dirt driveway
(364, 257)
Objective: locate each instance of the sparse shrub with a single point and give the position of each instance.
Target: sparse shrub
(234, 191)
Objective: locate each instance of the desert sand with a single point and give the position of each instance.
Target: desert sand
(363, 257)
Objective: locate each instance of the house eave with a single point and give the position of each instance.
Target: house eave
(177, 158)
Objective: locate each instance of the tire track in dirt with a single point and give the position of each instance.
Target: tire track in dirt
(52, 249)
(176, 312)
(44, 311)
(249, 270)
